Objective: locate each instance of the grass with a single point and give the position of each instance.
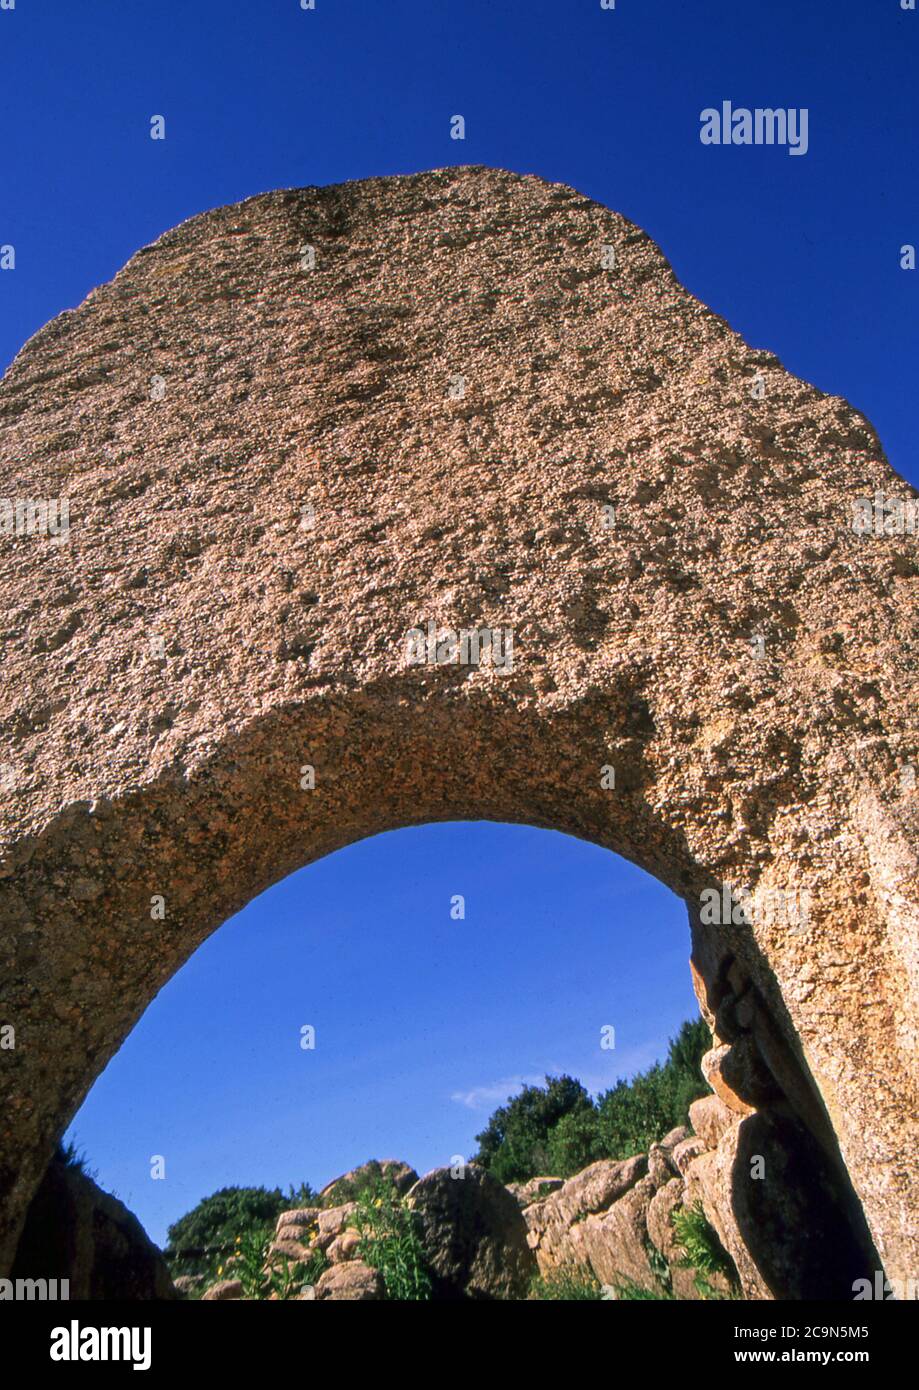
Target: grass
(263, 1274)
(72, 1157)
(630, 1292)
(567, 1284)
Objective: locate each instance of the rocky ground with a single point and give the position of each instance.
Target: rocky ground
(667, 1224)
(612, 1222)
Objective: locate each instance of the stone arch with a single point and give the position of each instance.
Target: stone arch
(460, 409)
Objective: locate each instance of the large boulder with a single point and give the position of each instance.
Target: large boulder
(332, 1223)
(301, 1217)
(710, 1118)
(77, 1232)
(614, 1218)
(302, 1233)
(295, 1250)
(616, 1245)
(552, 1222)
(296, 1233)
(777, 1205)
(344, 1247)
(474, 1235)
(354, 1282)
(704, 1178)
(596, 1187)
(684, 1153)
(224, 1291)
(661, 1163)
(345, 1188)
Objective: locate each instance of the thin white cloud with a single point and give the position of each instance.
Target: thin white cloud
(625, 1063)
(495, 1094)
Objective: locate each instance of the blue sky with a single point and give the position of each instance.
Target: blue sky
(800, 254)
(424, 1024)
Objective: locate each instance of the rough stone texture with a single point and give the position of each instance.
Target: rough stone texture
(702, 1185)
(659, 1216)
(743, 1058)
(344, 1247)
(661, 1165)
(551, 1222)
(787, 1231)
(710, 1118)
(290, 1248)
(608, 1217)
(297, 1232)
(595, 1187)
(332, 1223)
(75, 1231)
(129, 773)
(686, 1151)
(673, 1137)
(355, 1281)
(615, 1244)
(225, 1291)
(301, 1218)
(474, 1236)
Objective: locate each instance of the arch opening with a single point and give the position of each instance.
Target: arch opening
(802, 1234)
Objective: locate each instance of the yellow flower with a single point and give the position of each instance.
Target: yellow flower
(220, 1269)
(378, 1202)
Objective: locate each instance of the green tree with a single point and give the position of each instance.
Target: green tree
(514, 1144)
(557, 1129)
(574, 1142)
(634, 1114)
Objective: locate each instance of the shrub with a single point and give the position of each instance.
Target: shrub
(282, 1277)
(205, 1237)
(704, 1252)
(247, 1262)
(391, 1242)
